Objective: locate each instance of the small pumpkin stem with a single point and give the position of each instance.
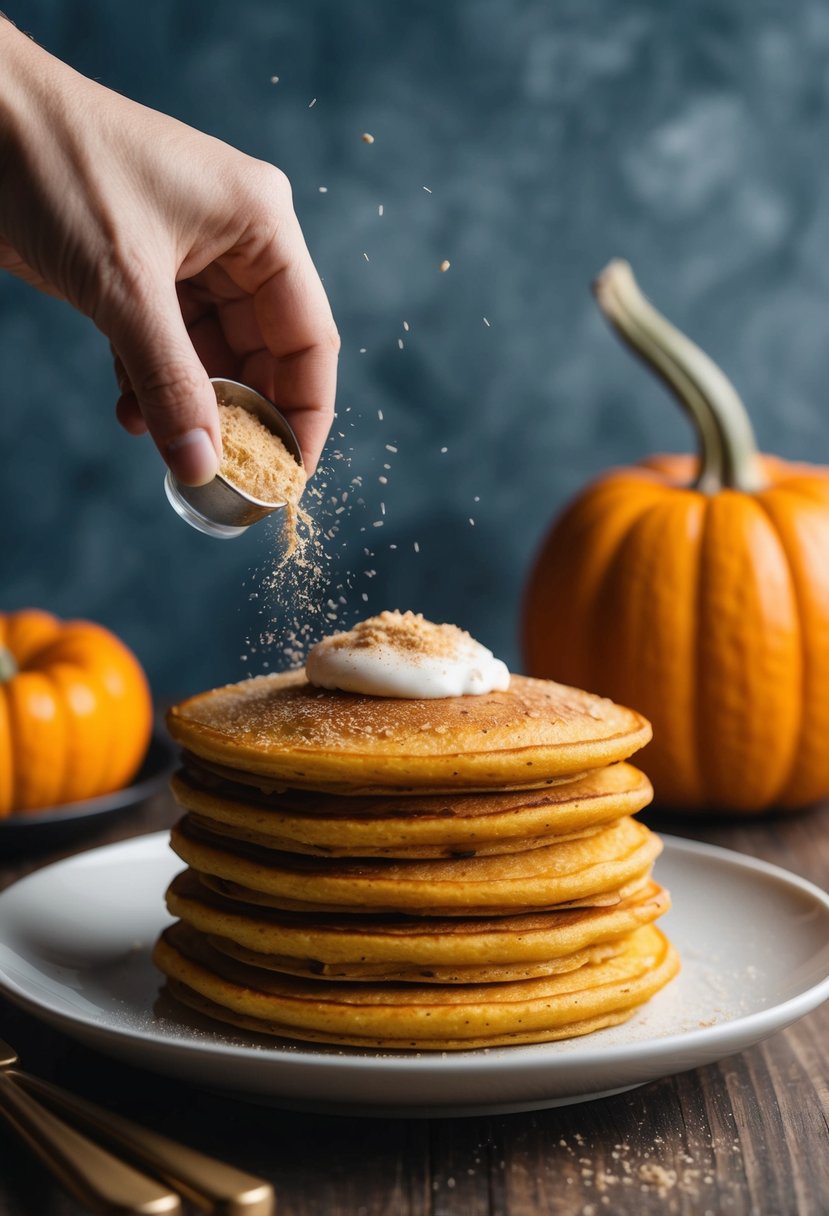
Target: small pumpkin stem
(727, 447)
(8, 666)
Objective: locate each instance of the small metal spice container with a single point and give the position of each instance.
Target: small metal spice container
(218, 508)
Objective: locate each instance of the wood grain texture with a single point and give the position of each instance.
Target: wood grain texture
(747, 1136)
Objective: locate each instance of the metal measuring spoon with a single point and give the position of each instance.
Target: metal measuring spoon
(218, 508)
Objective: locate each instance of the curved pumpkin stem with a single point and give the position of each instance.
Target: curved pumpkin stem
(8, 666)
(728, 449)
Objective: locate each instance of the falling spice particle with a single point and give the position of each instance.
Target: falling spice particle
(274, 80)
(380, 209)
(443, 451)
(390, 448)
(380, 415)
(367, 139)
(400, 343)
(378, 523)
(362, 350)
(416, 547)
(471, 522)
(487, 324)
(323, 189)
(384, 481)
(312, 103)
(406, 326)
(444, 266)
(365, 255)
(426, 188)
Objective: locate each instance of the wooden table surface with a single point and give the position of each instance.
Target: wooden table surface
(745, 1137)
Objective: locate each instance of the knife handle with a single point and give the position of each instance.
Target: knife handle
(211, 1185)
(100, 1181)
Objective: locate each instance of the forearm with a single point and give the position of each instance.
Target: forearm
(154, 229)
(18, 72)
(37, 94)
(23, 67)
(12, 59)
(42, 112)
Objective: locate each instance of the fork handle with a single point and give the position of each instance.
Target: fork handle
(211, 1185)
(100, 1181)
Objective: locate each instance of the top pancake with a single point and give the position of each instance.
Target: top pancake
(282, 727)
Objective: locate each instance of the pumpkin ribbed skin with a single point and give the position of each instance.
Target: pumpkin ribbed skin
(75, 716)
(709, 613)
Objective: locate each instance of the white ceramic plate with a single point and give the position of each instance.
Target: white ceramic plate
(75, 942)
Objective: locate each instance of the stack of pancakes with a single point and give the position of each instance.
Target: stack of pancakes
(427, 874)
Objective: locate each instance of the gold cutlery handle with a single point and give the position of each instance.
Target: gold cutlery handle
(210, 1184)
(100, 1181)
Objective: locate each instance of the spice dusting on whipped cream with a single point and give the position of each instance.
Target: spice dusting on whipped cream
(400, 654)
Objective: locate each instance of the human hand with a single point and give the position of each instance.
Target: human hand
(185, 252)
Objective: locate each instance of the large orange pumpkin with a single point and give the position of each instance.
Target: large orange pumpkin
(75, 711)
(697, 591)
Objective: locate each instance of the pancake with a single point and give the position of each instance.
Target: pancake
(372, 972)
(617, 855)
(327, 940)
(489, 848)
(241, 781)
(284, 728)
(431, 874)
(408, 1016)
(406, 826)
(604, 899)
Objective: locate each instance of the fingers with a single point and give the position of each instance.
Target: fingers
(293, 317)
(127, 409)
(165, 388)
(128, 413)
(299, 331)
(310, 424)
(262, 307)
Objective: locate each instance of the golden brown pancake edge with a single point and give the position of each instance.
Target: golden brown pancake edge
(282, 727)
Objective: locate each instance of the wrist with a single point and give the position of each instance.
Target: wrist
(29, 83)
(15, 53)
(8, 111)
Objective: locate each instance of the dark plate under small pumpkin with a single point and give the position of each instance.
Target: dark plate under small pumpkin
(54, 827)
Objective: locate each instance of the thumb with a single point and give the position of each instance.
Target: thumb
(171, 386)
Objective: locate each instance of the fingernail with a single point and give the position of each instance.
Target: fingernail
(192, 457)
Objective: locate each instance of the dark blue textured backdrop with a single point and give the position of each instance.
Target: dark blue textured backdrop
(691, 139)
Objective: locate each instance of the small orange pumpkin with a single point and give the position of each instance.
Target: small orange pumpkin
(697, 591)
(75, 711)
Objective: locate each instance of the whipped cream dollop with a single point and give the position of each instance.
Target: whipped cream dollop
(400, 654)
